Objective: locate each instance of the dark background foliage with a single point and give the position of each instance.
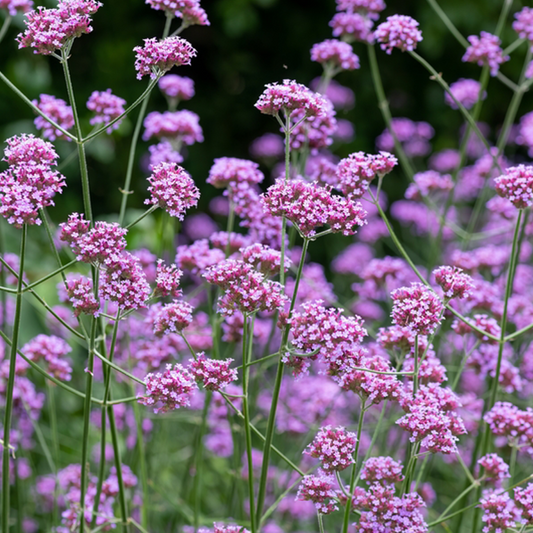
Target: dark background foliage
(249, 43)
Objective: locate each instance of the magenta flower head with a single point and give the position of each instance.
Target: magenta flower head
(16, 6)
(453, 282)
(398, 31)
(416, 307)
(319, 490)
(516, 184)
(523, 25)
(290, 96)
(368, 8)
(106, 107)
(58, 110)
(333, 447)
(466, 92)
(230, 172)
(524, 501)
(170, 390)
(336, 53)
(496, 469)
(384, 470)
(181, 126)
(48, 30)
(176, 87)
(215, 374)
(157, 57)
(172, 318)
(498, 511)
(172, 189)
(189, 10)
(485, 50)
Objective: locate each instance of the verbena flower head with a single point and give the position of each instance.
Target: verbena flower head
(453, 282)
(169, 390)
(163, 152)
(507, 420)
(48, 30)
(413, 136)
(485, 50)
(81, 296)
(215, 374)
(428, 182)
(176, 87)
(369, 8)
(333, 447)
(523, 497)
(416, 307)
(352, 27)
(167, 280)
(319, 490)
(398, 31)
(29, 183)
(516, 184)
(523, 25)
(336, 53)
(466, 92)
(496, 469)
(189, 10)
(310, 206)
(172, 318)
(58, 110)
(356, 171)
(265, 259)
(384, 470)
(52, 350)
(498, 512)
(290, 96)
(172, 189)
(16, 6)
(230, 172)
(106, 107)
(157, 57)
(182, 126)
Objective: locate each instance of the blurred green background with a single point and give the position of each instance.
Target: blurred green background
(249, 43)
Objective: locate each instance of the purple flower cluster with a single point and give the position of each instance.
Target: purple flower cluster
(498, 512)
(496, 469)
(416, 307)
(466, 92)
(319, 490)
(157, 57)
(524, 501)
(172, 189)
(310, 207)
(176, 87)
(336, 53)
(428, 182)
(215, 374)
(369, 8)
(231, 172)
(523, 25)
(356, 171)
(58, 111)
(288, 97)
(169, 390)
(16, 6)
(29, 183)
(81, 296)
(244, 288)
(106, 107)
(398, 31)
(52, 350)
(333, 447)
(384, 470)
(265, 259)
(413, 136)
(453, 282)
(352, 27)
(180, 126)
(172, 318)
(48, 30)
(507, 420)
(167, 280)
(485, 50)
(516, 184)
(189, 10)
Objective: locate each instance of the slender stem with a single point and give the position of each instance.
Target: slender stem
(27, 101)
(247, 429)
(81, 148)
(454, 502)
(348, 508)
(48, 276)
(5, 26)
(142, 459)
(320, 523)
(10, 386)
(385, 111)
(269, 434)
(448, 23)
(415, 377)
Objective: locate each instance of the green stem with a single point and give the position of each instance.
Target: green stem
(385, 111)
(142, 459)
(348, 508)
(48, 276)
(448, 23)
(10, 386)
(5, 26)
(444, 514)
(247, 429)
(27, 101)
(269, 434)
(415, 376)
(320, 523)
